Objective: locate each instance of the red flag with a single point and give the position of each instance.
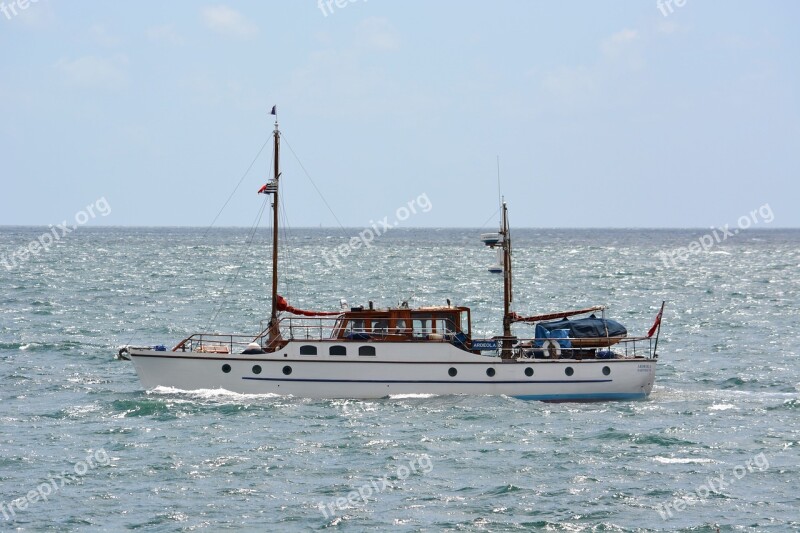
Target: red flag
(656, 323)
(262, 189)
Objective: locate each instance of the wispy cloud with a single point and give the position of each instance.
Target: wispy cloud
(164, 34)
(95, 72)
(618, 42)
(376, 33)
(103, 36)
(227, 21)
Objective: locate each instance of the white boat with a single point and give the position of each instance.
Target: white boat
(373, 353)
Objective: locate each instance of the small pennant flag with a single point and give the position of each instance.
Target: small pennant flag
(657, 322)
(262, 189)
(274, 111)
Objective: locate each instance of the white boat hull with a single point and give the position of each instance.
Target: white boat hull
(397, 368)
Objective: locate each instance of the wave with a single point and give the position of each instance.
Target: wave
(681, 460)
(212, 394)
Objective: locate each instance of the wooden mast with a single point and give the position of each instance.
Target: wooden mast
(274, 331)
(507, 292)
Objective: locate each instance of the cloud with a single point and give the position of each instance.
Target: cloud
(350, 73)
(578, 88)
(164, 34)
(102, 36)
(619, 42)
(95, 72)
(376, 33)
(226, 21)
(668, 27)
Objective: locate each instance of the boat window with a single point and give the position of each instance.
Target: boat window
(308, 350)
(400, 327)
(338, 350)
(380, 326)
(422, 327)
(443, 326)
(357, 326)
(366, 350)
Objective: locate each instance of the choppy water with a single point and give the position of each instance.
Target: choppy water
(719, 436)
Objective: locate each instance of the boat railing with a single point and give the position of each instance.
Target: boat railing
(299, 328)
(316, 328)
(218, 343)
(580, 348)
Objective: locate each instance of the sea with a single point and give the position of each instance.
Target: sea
(83, 447)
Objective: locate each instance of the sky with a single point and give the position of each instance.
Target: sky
(614, 114)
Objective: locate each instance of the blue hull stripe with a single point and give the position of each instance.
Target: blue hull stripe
(592, 397)
(450, 382)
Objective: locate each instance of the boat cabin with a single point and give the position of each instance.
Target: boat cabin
(405, 324)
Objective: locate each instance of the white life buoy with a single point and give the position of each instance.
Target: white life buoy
(552, 350)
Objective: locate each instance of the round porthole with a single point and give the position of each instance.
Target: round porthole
(226, 368)
(490, 372)
(287, 370)
(606, 370)
(452, 371)
(256, 369)
(529, 371)
(569, 371)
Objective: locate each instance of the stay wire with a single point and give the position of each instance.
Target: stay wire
(246, 172)
(240, 260)
(214, 221)
(312, 182)
(252, 230)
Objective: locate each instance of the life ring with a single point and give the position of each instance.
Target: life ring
(552, 350)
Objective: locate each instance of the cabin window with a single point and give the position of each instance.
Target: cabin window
(400, 327)
(338, 350)
(366, 350)
(442, 326)
(308, 350)
(422, 327)
(380, 326)
(357, 326)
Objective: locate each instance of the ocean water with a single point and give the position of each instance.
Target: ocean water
(83, 447)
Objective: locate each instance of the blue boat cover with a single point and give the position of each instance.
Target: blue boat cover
(586, 327)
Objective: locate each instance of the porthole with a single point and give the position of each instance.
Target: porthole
(569, 371)
(287, 370)
(337, 350)
(490, 372)
(256, 369)
(226, 368)
(529, 371)
(452, 371)
(606, 370)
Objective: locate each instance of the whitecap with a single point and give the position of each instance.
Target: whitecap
(721, 407)
(681, 460)
(208, 394)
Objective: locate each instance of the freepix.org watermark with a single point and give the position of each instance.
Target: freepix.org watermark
(43, 243)
(364, 238)
(714, 485)
(668, 6)
(12, 9)
(54, 483)
(717, 235)
(326, 6)
(420, 465)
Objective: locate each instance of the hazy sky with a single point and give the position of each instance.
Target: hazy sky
(604, 114)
